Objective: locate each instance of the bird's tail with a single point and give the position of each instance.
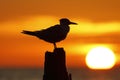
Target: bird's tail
(28, 32)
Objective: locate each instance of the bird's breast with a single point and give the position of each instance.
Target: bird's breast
(64, 31)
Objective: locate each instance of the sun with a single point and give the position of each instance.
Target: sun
(100, 58)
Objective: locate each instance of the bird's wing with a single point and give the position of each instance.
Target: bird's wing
(53, 31)
(50, 30)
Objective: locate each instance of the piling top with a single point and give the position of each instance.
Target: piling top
(59, 50)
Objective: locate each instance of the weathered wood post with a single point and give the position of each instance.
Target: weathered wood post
(55, 65)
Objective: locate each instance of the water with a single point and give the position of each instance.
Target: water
(77, 74)
(87, 74)
(21, 74)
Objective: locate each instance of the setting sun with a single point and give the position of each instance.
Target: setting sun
(100, 58)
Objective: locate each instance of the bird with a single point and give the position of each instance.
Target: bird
(54, 33)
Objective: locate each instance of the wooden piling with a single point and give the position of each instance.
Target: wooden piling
(55, 65)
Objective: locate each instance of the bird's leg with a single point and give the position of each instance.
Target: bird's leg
(55, 45)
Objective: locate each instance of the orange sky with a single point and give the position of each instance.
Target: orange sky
(98, 20)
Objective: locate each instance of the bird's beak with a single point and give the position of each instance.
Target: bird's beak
(73, 23)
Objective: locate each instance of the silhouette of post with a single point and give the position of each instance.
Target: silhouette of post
(55, 65)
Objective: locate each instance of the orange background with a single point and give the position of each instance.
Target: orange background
(99, 25)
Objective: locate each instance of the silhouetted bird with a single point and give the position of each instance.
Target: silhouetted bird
(54, 33)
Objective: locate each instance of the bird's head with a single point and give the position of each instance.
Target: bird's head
(65, 21)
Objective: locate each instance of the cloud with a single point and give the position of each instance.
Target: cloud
(95, 10)
(106, 38)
